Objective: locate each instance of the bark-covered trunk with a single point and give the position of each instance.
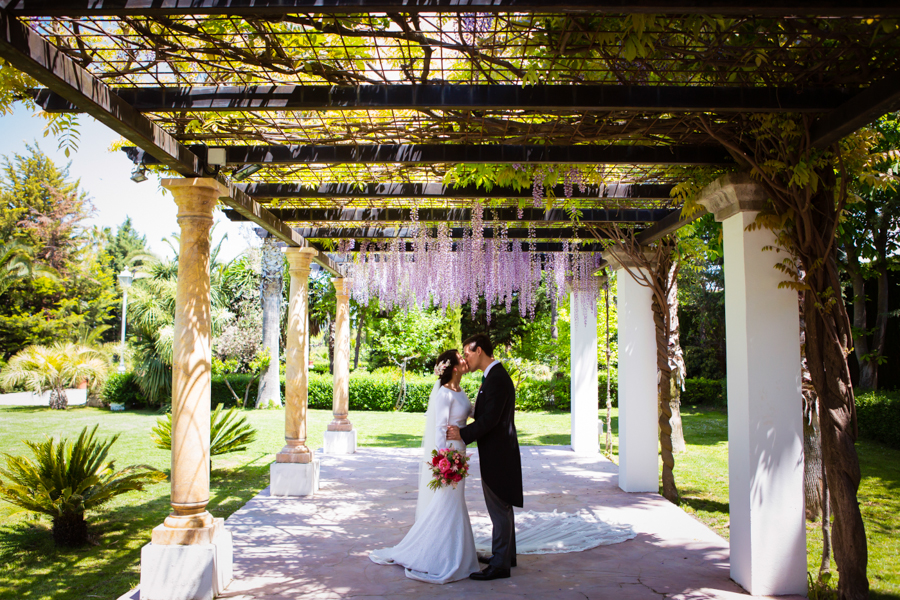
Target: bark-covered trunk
(272, 267)
(608, 441)
(664, 389)
(70, 529)
(360, 326)
(676, 362)
(813, 486)
(831, 378)
(331, 328)
(58, 399)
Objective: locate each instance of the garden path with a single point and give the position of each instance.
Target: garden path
(318, 547)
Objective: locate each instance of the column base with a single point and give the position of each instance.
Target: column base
(340, 442)
(195, 572)
(586, 448)
(294, 479)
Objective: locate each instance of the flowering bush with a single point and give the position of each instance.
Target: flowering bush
(448, 467)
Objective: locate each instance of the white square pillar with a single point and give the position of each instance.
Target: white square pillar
(583, 357)
(765, 426)
(638, 441)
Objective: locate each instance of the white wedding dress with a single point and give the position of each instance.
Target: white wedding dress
(440, 546)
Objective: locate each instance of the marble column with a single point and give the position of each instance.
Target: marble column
(189, 555)
(583, 360)
(765, 427)
(340, 438)
(638, 401)
(295, 471)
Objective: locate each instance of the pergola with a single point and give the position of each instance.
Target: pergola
(351, 113)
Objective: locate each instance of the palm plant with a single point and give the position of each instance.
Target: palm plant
(54, 368)
(229, 432)
(65, 480)
(17, 263)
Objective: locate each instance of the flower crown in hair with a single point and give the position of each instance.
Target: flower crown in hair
(440, 367)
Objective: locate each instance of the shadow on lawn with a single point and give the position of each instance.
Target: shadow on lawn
(110, 565)
(395, 440)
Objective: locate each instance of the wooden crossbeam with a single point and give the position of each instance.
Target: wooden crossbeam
(460, 215)
(867, 106)
(271, 8)
(456, 233)
(437, 191)
(541, 247)
(30, 53)
(411, 154)
(469, 97)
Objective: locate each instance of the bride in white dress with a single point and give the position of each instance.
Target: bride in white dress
(443, 511)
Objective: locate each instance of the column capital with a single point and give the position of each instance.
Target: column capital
(299, 258)
(342, 289)
(732, 194)
(195, 197)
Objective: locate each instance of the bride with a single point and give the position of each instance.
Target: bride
(442, 511)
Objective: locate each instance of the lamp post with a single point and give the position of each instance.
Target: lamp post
(125, 279)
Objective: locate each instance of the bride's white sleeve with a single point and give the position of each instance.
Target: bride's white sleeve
(442, 418)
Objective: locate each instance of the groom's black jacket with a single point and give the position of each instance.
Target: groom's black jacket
(495, 430)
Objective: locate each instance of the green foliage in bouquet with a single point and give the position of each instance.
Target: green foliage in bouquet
(65, 480)
(229, 432)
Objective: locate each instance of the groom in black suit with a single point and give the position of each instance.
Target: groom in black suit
(498, 448)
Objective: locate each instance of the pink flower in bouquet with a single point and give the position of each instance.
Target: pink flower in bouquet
(444, 465)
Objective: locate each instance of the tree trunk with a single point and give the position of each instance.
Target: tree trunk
(272, 268)
(867, 375)
(831, 377)
(676, 362)
(331, 327)
(58, 399)
(813, 485)
(360, 325)
(825, 565)
(608, 441)
(70, 529)
(554, 318)
(664, 387)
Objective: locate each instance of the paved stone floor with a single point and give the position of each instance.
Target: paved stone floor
(318, 547)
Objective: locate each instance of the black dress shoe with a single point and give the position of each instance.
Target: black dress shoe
(490, 573)
(487, 561)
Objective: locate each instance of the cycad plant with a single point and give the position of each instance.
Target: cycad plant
(65, 480)
(54, 368)
(228, 432)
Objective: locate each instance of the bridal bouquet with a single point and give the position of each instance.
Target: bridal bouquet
(448, 467)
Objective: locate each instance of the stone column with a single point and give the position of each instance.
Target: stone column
(765, 427)
(341, 437)
(583, 357)
(190, 553)
(295, 472)
(638, 441)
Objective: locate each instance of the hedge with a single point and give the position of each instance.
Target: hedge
(878, 414)
(123, 388)
(709, 392)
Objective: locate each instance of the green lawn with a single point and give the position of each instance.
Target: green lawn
(31, 567)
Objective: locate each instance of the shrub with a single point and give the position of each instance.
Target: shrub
(228, 432)
(878, 413)
(123, 388)
(66, 480)
(54, 368)
(698, 390)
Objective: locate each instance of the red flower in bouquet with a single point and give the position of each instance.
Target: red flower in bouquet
(448, 467)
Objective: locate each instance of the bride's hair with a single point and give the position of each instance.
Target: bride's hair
(447, 360)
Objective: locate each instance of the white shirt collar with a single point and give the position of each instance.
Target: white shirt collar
(490, 366)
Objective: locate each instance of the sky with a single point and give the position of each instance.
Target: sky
(105, 176)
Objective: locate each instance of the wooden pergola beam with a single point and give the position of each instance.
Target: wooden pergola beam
(410, 154)
(27, 51)
(867, 106)
(469, 97)
(540, 247)
(438, 191)
(250, 210)
(456, 233)
(460, 215)
(271, 8)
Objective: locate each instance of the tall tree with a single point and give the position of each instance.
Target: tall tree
(869, 240)
(126, 247)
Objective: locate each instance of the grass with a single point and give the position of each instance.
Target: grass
(32, 568)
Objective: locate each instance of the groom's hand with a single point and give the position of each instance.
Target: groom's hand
(453, 433)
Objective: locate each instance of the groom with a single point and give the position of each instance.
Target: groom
(498, 449)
